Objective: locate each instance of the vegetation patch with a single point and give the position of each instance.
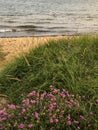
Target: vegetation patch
(69, 64)
(1, 53)
(57, 110)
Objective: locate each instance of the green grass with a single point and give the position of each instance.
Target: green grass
(1, 53)
(71, 64)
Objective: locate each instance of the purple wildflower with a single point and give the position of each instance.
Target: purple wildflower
(96, 101)
(51, 120)
(36, 114)
(56, 120)
(33, 93)
(21, 126)
(11, 106)
(82, 117)
(69, 122)
(30, 125)
(33, 101)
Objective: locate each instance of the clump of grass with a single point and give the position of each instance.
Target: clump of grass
(1, 53)
(70, 64)
(56, 110)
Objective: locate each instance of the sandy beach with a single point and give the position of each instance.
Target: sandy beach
(13, 47)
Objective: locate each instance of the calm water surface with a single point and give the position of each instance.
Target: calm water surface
(48, 17)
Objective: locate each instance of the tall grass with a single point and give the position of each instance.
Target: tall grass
(69, 64)
(1, 53)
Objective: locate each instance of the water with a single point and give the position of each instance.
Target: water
(48, 17)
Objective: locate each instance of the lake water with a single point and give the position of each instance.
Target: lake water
(48, 17)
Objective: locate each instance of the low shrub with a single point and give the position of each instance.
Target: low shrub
(54, 110)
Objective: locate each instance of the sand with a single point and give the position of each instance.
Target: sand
(13, 47)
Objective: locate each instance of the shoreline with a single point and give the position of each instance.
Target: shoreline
(37, 36)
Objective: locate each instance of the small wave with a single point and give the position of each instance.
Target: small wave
(5, 30)
(10, 30)
(26, 26)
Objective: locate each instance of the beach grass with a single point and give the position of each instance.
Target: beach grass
(1, 53)
(71, 65)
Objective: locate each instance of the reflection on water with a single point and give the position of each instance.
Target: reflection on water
(48, 17)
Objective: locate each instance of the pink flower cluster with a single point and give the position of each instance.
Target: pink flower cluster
(57, 109)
